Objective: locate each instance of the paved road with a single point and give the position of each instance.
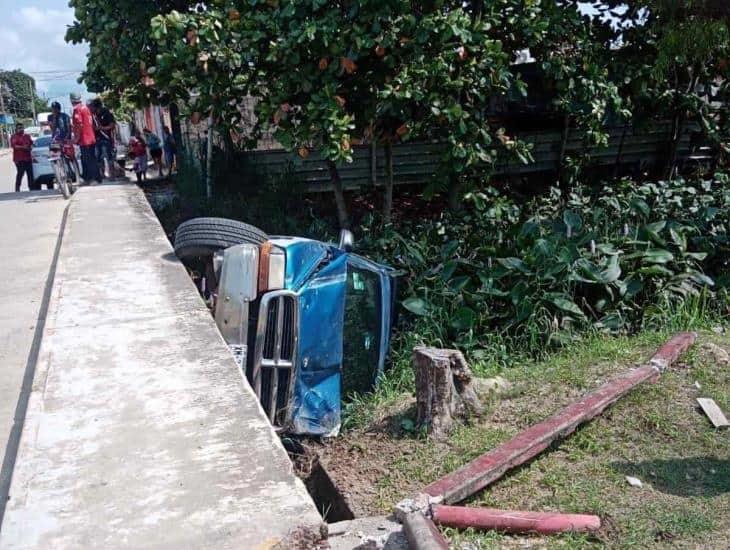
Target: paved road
(29, 229)
(7, 172)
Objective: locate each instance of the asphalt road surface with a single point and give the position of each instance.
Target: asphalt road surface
(7, 172)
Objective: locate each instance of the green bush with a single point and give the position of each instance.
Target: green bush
(533, 275)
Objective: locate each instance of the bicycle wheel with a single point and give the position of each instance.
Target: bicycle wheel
(74, 174)
(61, 178)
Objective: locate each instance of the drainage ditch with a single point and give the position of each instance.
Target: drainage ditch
(331, 503)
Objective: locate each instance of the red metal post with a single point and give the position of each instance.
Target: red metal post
(491, 466)
(512, 521)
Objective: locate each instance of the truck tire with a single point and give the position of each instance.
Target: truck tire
(202, 237)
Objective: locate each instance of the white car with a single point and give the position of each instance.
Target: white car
(34, 131)
(42, 169)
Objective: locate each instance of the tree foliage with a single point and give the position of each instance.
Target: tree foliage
(671, 59)
(120, 46)
(19, 93)
(330, 74)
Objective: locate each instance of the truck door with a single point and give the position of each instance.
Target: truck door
(366, 326)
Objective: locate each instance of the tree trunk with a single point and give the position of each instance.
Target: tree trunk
(342, 215)
(374, 162)
(175, 123)
(209, 159)
(444, 390)
(617, 165)
(563, 149)
(677, 127)
(388, 202)
(454, 193)
(676, 137)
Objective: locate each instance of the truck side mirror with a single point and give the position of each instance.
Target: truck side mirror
(347, 240)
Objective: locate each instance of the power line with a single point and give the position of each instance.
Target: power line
(51, 71)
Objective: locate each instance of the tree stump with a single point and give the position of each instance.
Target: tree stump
(444, 390)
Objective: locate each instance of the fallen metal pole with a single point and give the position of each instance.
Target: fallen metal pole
(489, 467)
(422, 534)
(511, 521)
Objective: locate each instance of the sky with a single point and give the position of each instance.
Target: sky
(31, 39)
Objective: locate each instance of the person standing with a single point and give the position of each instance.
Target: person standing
(22, 143)
(83, 132)
(104, 128)
(170, 148)
(153, 142)
(60, 123)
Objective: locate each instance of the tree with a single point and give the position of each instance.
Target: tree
(120, 45)
(315, 67)
(19, 93)
(673, 58)
(41, 105)
(331, 74)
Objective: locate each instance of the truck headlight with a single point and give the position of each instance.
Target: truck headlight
(272, 268)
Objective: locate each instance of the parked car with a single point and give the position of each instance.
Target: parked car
(42, 169)
(308, 322)
(34, 131)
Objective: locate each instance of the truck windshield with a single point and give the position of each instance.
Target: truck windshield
(361, 342)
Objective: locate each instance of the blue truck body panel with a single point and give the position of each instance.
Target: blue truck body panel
(318, 274)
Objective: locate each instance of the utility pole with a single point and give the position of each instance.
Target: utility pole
(32, 100)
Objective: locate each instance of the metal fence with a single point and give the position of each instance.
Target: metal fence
(418, 162)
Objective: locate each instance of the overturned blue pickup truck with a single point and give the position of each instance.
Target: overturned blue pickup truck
(308, 322)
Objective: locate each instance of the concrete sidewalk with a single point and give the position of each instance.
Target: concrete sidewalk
(141, 431)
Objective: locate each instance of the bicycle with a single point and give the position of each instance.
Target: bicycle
(65, 166)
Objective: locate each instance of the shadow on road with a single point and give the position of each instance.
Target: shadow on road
(31, 196)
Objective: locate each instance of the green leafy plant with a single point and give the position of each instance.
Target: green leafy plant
(543, 273)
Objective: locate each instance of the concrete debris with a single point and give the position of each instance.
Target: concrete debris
(422, 503)
(377, 533)
(496, 385)
(716, 353)
(713, 412)
(697, 385)
(634, 481)
(304, 538)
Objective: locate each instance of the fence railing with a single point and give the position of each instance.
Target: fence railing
(418, 162)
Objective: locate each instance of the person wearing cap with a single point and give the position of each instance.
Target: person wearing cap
(83, 133)
(60, 123)
(22, 143)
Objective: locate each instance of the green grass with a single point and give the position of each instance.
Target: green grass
(656, 433)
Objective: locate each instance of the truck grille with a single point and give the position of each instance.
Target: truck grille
(275, 354)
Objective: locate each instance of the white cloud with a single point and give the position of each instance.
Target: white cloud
(33, 34)
(43, 20)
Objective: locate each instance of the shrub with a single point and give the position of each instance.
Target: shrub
(539, 274)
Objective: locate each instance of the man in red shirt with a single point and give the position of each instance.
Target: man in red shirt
(22, 144)
(83, 132)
